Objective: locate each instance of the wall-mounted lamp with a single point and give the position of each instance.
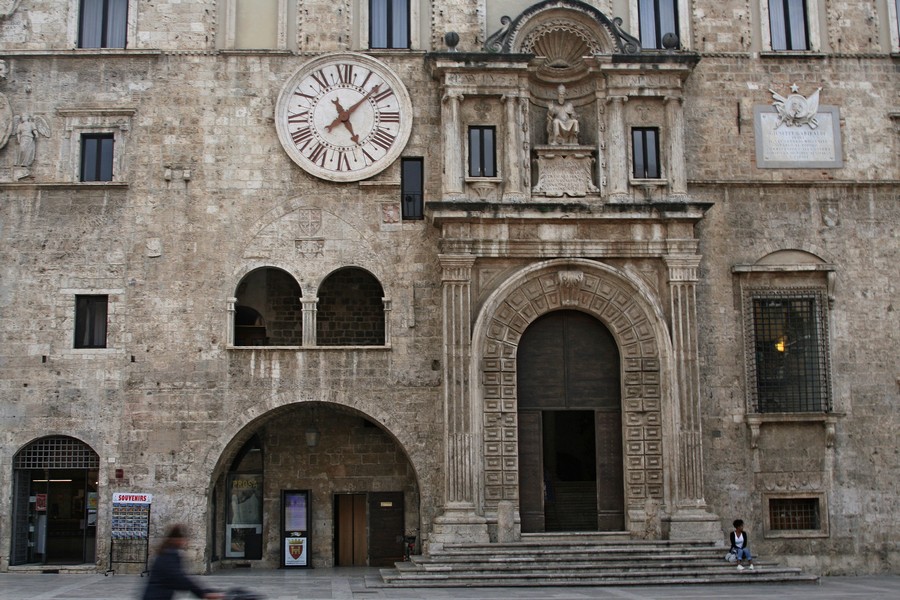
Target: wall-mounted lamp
(312, 436)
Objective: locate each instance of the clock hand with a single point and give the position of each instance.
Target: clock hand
(342, 115)
(363, 99)
(353, 137)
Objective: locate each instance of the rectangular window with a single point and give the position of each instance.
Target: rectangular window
(388, 24)
(90, 321)
(788, 24)
(897, 16)
(97, 157)
(256, 24)
(645, 152)
(482, 151)
(103, 23)
(791, 370)
(657, 18)
(794, 514)
(412, 188)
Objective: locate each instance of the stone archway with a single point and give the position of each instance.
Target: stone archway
(625, 307)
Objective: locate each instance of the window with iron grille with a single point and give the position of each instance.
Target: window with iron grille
(482, 151)
(103, 23)
(791, 366)
(90, 321)
(645, 153)
(56, 452)
(412, 188)
(794, 514)
(388, 24)
(657, 18)
(788, 24)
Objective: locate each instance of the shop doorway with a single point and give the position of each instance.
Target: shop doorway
(570, 426)
(55, 502)
(368, 529)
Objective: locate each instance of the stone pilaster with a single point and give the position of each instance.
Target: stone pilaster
(453, 144)
(690, 518)
(512, 188)
(677, 168)
(618, 149)
(459, 521)
(309, 321)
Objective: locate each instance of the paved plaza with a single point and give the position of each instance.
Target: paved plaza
(335, 584)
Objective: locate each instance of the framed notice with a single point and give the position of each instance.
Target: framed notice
(295, 528)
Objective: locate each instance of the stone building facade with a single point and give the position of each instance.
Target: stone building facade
(455, 270)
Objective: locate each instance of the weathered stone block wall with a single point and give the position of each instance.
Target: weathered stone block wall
(721, 94)
(745, 224)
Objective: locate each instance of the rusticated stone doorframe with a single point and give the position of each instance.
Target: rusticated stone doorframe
(634, 316)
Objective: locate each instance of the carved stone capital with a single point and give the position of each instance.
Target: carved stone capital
(683, 269)
(456, 267)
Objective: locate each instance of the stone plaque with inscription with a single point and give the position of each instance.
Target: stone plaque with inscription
(565, 171)
(780, 146)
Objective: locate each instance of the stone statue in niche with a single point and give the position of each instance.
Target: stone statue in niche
(28, 128)
(562, 122)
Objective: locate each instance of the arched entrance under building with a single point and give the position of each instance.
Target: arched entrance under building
(355, 479)
(55, 502)
(570, 425)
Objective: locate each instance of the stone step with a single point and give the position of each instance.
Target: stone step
(648, 579)
(624, 565)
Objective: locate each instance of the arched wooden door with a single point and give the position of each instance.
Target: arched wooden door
(570, 426)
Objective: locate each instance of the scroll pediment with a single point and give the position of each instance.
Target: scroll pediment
(562, 32)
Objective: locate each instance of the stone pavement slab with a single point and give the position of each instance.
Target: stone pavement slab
(356, 584)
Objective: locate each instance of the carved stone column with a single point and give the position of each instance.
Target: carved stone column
(309, 321)
(617, 147)
(512, 189)
(229, 327)
(690, 519)
(677, 169)
(459, 521)
(454, 148)
(387, 321)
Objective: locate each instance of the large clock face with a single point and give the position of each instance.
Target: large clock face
(344, 117)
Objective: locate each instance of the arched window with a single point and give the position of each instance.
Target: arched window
(350, 311)
(268, 311)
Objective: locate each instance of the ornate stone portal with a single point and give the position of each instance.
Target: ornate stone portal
(572, 120)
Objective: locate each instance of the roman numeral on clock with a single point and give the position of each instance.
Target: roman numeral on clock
(302, 136)
(389, 116)
(345, 73)
(383, 95)
(317, 155)
(383, 139)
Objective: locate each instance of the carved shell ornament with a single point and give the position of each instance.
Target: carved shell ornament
(600, 34)
(563, 45)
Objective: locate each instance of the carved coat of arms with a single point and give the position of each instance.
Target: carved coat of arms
(796, 110)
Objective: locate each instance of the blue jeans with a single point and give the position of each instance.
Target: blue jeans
(743, 554)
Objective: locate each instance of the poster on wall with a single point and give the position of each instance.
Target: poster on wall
(243, 530)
